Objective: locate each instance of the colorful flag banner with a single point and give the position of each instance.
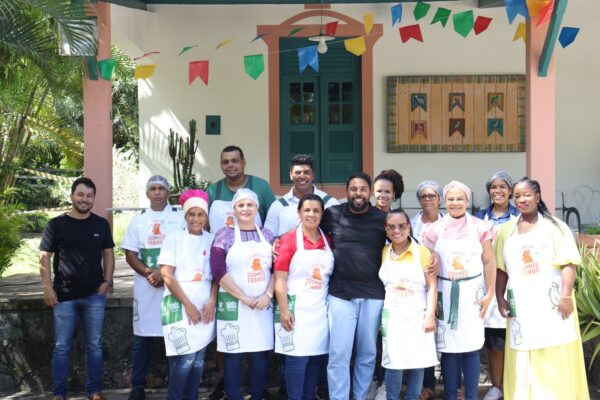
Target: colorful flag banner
(521, 32)
(441, 15)
(514, 8)
(254, 65)
(91, 68)
(463, 22)
(368, 21)
(356, 46)
(535, 6)
(421, 10)
(308, 56)
(330, 28)
(185, 49)
(146, 55)
(198, 69)
(144, 71)
(481, 24)
(258, 37)
(567, 36)
(223, 43)
(396, 14)
(545, 13)
(411, 32)
(107, 68)
(295, 30)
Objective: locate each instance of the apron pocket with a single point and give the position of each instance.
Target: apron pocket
(227, 307)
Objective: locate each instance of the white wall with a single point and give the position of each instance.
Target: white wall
(166, 100)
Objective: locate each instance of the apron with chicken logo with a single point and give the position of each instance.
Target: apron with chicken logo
(221, 211)
(192, 272)
(241, 329)
(534, 289)
(405, 343)
(307, 287)
(460, 286)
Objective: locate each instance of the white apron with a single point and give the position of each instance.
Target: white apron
(405, 344)
(307, 288)
(241, 329)
(221, 211)
(146, 298)
(192, 272)
(534, 288)
(459, 329)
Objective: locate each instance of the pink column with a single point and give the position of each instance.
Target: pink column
(540, 116)
(97, 123)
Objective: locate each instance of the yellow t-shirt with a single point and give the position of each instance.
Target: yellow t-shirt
(407, 256)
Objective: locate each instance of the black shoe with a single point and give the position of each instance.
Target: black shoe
(137, 393)
(267, 395)
(322, 394)
(219, 392)
(282, 393)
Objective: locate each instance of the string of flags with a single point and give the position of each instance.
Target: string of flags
(463, 23)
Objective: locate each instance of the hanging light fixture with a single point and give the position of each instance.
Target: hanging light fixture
(321, 37)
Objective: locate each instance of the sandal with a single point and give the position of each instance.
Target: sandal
(426, 394)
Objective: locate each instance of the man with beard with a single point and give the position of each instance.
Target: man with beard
(83, 267)
(357, 232)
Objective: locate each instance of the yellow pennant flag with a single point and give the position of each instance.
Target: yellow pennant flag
(223, 43)
(521, 32)
(535, 6)
(144, 71)
(368, 20)
(356, 45)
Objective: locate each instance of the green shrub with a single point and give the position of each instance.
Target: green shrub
(35, 222)
(11, 225)
(594, 230)
(587, 294)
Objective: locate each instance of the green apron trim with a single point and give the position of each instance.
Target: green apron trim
(512, 306)
(227, 307)
(385, 317)
(150, 257)
(171, 310)
(440, 306)
(291, 306)
(454, 296)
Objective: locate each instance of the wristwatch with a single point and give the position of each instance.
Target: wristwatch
(109, 281)
(269, 294)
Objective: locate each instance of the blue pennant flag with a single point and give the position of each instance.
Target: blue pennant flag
(567, 36)
(396, 14)
(308, 56)
(515, 7)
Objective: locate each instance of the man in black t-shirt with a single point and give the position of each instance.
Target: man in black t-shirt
(83, 267)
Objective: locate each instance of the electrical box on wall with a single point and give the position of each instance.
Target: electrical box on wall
(213, 124)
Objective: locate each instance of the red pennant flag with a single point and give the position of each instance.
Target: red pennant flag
(411, 32)
(481, 24)
(198, 69)
(545, 13)
(330, 28)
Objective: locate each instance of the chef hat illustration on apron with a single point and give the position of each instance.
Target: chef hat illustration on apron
(230, 334)
(515, 331)
(178, 336)
(287, 339)
(385, 355)
(440, 340)
(136, 314)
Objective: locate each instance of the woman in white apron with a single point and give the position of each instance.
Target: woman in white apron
(189, 302)
(302, 272)
(387, 187)
(537, 257)
(241, 259)
(499, 188)
(466, 286)
(408, 316)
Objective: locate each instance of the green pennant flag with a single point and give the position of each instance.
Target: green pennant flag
(441, 15)
(106, 68)
(294, 31)
(254, 65)
(421, 10)
(463, 22)
(186, 49)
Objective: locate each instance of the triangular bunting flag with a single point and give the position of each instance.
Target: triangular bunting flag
(411, 32)
(258, 37)
(144, 71)
(421, 10)
(308, 56)
(107, 67)
(481, 24)
(514, 8)
(368, 21)
(396, 14)
(356, 46)
(223, 43)
(146, 55)
(295, 30)
(186, 49)
(254, 65)
(330, 28)
(463, 22)
(521, 32)
(566, 37)
(535, 6)
(198, 69)
(545, 13)
(441, 15)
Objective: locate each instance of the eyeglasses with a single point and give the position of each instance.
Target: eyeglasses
(393, 227)
(428, 196)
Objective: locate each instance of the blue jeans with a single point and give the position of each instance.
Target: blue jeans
(429, 378)
(90, 310)
(349, 320)
(140, 359)
(393, 383)
(185, 375)
(257, 374)
(451, 366)
(302, 375)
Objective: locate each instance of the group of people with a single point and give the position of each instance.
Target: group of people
(326, 285)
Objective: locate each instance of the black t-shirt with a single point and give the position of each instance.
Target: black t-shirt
(357, 241)
(77, 245)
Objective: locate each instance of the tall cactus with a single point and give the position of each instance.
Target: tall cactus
(183, 153)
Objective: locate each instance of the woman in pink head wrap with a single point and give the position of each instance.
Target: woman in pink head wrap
(465, 288)
(189, 301)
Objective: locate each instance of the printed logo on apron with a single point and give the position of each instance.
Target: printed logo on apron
(171, 310)
(291, 306)
(287, 339)
(314, 280)
(230, 334)
(459, 269)
(156, 237)
(227, 307)
(440, 337)
(178, 336)
(385, 355)
(150, 257)
(530, 266)
(257, 275)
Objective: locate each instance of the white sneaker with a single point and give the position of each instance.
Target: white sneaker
(494, 394)
(380, 394)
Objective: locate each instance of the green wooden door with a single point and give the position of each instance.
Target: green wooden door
(320, 112)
